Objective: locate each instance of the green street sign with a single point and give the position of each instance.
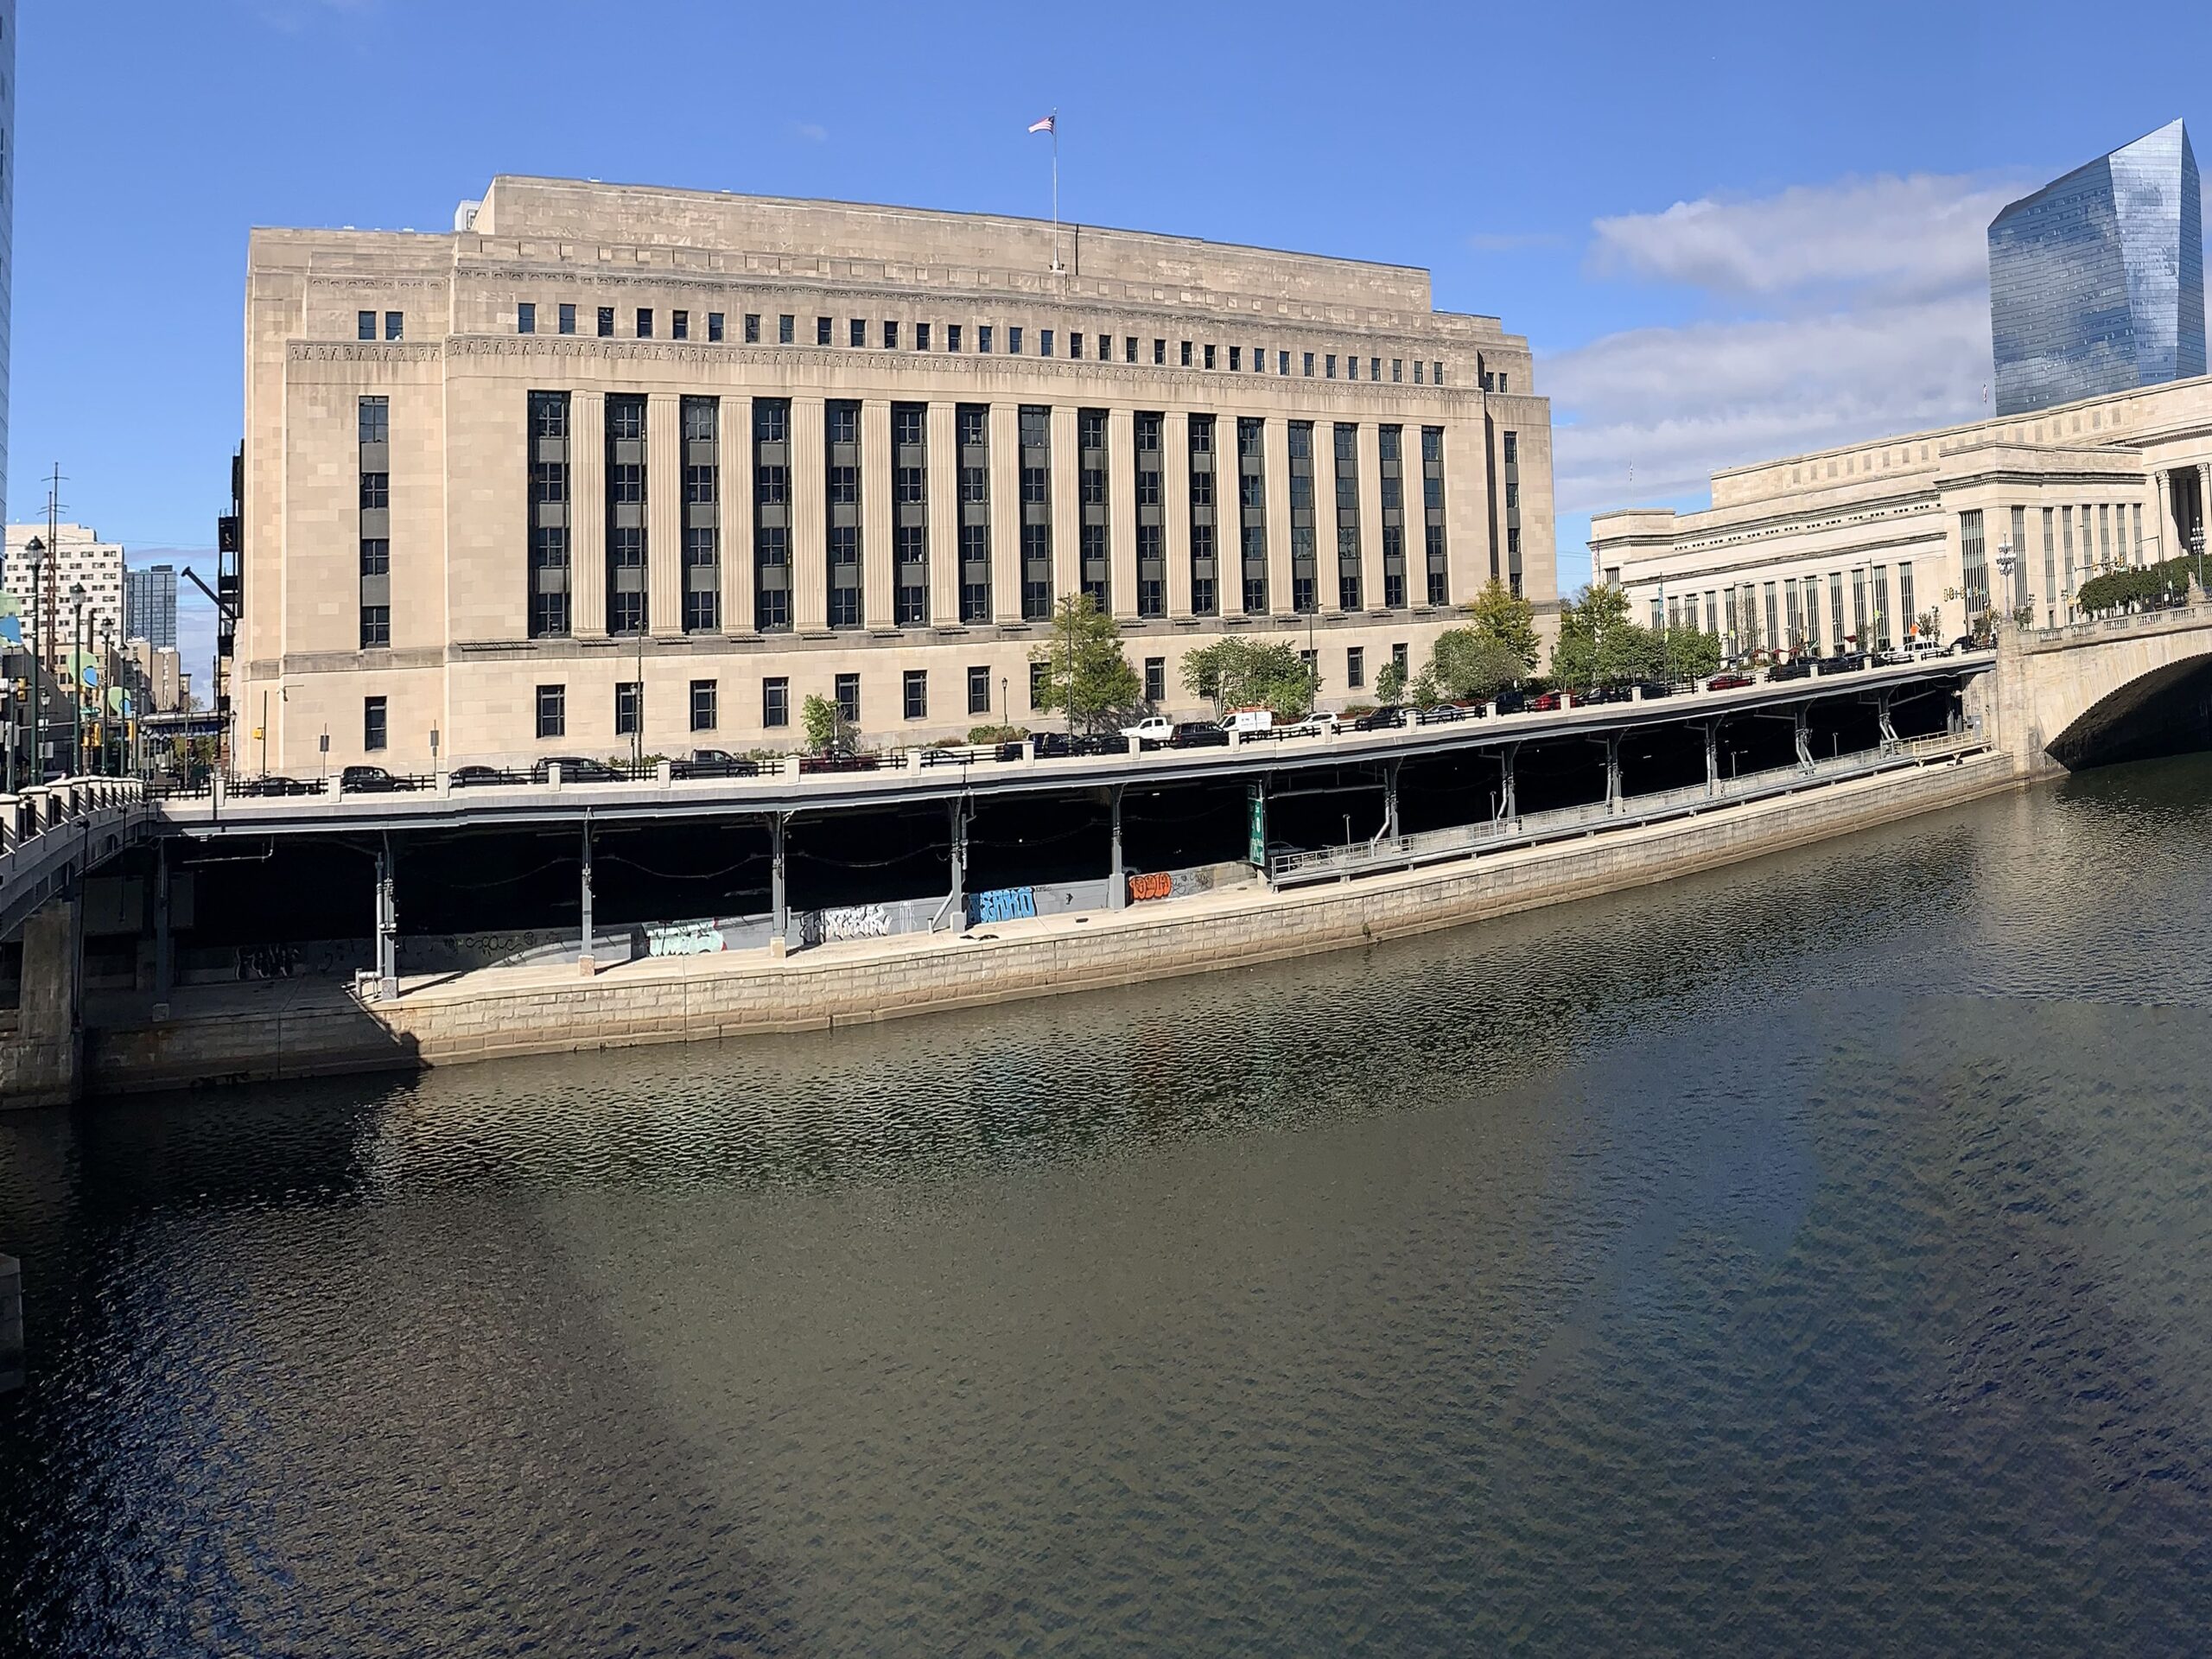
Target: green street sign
(1256, 824)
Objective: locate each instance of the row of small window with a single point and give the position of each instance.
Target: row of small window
(1786, 615)
(955, 336)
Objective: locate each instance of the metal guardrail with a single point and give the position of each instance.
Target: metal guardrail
(50, 834)
(1432, 846)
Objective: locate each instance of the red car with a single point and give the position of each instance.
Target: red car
(1544, 700)
(1728, 682)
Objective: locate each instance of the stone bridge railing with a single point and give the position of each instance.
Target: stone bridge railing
(48, 835)
(2102, 688)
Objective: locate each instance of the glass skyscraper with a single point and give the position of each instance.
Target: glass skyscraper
(2096, 282)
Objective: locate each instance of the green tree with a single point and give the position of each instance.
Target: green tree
(1390, 683)
(828, 731)
(1247, 674)
(1471, 666)
(1689, 654)
(1585, 646)
(1498, 614)
(1086, 675)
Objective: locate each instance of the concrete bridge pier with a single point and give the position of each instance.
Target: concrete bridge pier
(1117, 886)
(1612, 742)
(164, 940)
(1711, 729)
(387, 937)
(43, 1064)
(1508, 805)
(585, 965)
(1390, 800)
(779, 905)
(956, 903)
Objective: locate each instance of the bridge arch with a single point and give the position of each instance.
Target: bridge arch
(2167, 710)
(2124, 687)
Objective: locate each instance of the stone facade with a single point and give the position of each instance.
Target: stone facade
(2068, 491)
(410, 553)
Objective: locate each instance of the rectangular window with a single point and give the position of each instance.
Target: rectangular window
(1836, 630)
(394, 324)
(376, 626)
(1129, 348)
(771, 515)
(1309, 365)
(1186, 353)
(951, 336)
(915, 691)
(1355, 667)
(1390, 445)
(909, 550)
(702, 496)
(822, 327)
(1252, 508)
(552, 711)
(1159, 353)
(1152, 525)
(982, 336)
(1347, 439)
(1036, 482)
(625, 513)
(606, 322)
(1973, 564)
(1417, 371)
(1155, 679)
(1303, 582)
(921, 336)
(1283, 363)
(890, 336)
(1436, 376)
(1044, 342)
(1397, 369)
(1431, 489)
(704, 695)
(1038, 685)
(1206, 593)
(1013, 340)
(1329, 360)
(629, 707)
(776, 702)
(856, 331)
(1209, 356)
(979, 689)
(372, 426)
(2019, 541)
(526, 317)
(365, 324)
(1905, 598)
(787, 326)
(849, 697)
(715, 326)
(374, 732)
(547, 598)
(568, 320)
(644, 322)
(753, 328)
(1094, 537)
(1075, 347)
(841, 434)
(1401, 659)
(972, 426)
(679, 325)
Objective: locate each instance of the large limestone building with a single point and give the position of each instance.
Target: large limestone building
(1855, 546)
(609, 463)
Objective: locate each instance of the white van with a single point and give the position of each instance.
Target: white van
(1238, 721)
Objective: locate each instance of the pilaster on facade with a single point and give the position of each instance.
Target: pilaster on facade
(1372, 586)
(587, 515)
(941, 438)
(1175, 507)
(879, 581)
(1275, 446)
(1122, 511)
(810, 538)
(665, 514)
(1067, 514)
(1005, 513)
(733, 512)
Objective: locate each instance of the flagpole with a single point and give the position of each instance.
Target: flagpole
(1058, 270)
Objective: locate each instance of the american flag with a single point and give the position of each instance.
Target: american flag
(1046, 125)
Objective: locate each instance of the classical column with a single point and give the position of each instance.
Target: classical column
(1122, 511)
(1005, 513)
(1175, 507)
(734, 513)
(943, 488)
(877, 576)
(1370, 511)
(664, 513)
(1274, 444)
(810, 533)
(588, 514)
(1467, 510)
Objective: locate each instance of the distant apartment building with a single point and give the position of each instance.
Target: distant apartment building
(1909, 538)
(2096, 282)
(149, 605)
(611, 463)
(155, 674)
(78, 558)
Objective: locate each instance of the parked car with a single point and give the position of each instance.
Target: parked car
(1439, 714)
(477, 777)
(1152, 731)
(365, 781)
(1381, 720)
(1609, 694)
(1512, 703)
(1544, 701)
(276, 784)
(810, 763)
(1320, 723)
(1198, 734)
(714, 763)
(1797, 670)
(574, 769)
(1728, 682)
(1656, 689)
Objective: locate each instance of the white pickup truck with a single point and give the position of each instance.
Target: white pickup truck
(1153, 729)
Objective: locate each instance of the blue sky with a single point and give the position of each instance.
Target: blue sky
(1739, 232)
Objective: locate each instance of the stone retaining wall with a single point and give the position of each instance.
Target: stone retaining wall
(699, 998)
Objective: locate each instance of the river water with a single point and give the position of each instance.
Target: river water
(1813, 1257)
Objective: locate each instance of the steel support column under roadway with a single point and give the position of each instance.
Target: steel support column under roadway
(387, 928)
(779, 918)
(956, 903)
(1117, 891)
(165, 944)
(1802, 731)
(1612, 772)
(585, 963)
(1390, 801)
(1711, 756)
(1509, 802)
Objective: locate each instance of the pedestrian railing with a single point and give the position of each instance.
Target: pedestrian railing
(49, 833)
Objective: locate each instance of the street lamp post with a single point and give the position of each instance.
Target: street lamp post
(2004, 564)
(76, 678)
(35, 550)
(2196, 545)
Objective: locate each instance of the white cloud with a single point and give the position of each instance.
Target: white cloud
(1840, 313)
(1918, 235)
(812, 133)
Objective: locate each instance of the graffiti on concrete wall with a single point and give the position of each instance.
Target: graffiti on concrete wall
(1002, 905)
(844, 922)
(683, 938)
(1156, 884)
